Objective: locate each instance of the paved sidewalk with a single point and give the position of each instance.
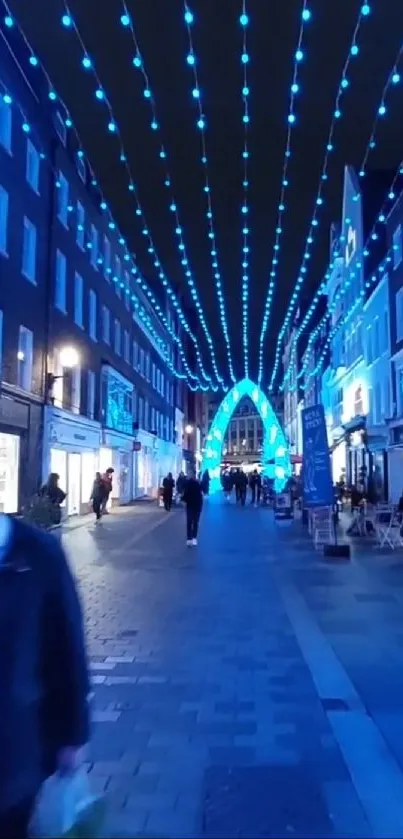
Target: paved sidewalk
(225, 703)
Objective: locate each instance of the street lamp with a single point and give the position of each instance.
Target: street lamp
(189, 429)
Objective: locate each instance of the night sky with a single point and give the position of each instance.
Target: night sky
(272, 36)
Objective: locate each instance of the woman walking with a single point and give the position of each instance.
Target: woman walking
(193, 498)
(97, 496)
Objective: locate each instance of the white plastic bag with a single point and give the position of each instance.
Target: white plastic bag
(64, 807)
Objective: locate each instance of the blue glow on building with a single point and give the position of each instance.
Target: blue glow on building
(275, 456)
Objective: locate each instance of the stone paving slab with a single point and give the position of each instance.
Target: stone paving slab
(203, 700)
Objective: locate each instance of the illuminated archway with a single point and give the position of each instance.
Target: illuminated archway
(275, 455)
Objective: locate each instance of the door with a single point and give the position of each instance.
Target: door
(74, 481)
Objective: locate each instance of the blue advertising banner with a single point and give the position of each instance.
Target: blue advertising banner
(317, 474)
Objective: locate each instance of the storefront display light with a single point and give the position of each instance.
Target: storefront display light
(69, 357)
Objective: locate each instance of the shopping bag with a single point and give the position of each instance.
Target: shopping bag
(65, 807)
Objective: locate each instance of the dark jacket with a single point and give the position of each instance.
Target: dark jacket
(99, 490)
(44, 681)
(168, 485)
(193, 494)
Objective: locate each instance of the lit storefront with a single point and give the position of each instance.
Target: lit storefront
(71, 449)
(147, 468)
(117, 449)
(20, 430)
(9, 472)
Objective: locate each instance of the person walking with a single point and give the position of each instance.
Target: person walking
(237, 482)
(205, 482)
(98, 495)
(54, 495)
(168, 485)
(107, 479)
(193, 498)
(44, 688)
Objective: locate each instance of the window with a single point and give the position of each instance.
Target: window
(60, 126)
(94, 246)
(29, 251)
(399, 315)
(78, 300)
(152, 426)
(33, 166)
(377, 403)
(80, 236)
(107, 258)
(1, 341)
(25, 353)
(158, 379)
(162, 384)
(60, 281)
(5, 124)
(126, 346)
(148, 366)
(62, 199)
(386, 397)
(93, 315)
(106, 325)
(376, 338)
(146, 414)
(153, 375)
(118, 337)
(385, 342)
(117, 276)
(76, 389)
(397, 246)
(91, 394)
(399, 389)
(141, 412)
(3, 220)
(127, 290)
(135, 355)
(81, 167)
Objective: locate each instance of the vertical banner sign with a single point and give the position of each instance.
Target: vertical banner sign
(318, 483)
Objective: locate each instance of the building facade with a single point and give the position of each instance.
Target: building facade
(395, 423)
(87, 367)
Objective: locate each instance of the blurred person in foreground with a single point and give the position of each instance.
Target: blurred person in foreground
(44, 717)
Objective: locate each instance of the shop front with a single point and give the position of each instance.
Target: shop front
(339, 460)
(71, 449)
(395, 463)
(377, 462)
(20, 450)
(117, 452)
(146, 465)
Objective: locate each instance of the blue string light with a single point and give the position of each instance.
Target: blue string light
(113, 128)
(311, 238)
(391, 82)
(201, 124)
(139, 308)
(281, 208)
(244, 22)
(196, 95)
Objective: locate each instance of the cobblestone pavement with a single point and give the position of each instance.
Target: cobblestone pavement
(243, 688)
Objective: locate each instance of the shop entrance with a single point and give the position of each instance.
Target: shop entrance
(9, 472)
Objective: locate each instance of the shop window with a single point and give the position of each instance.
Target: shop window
(397, 246)
(80, 232)
(94, 247)
(25, 358)
(63, 199)
(29, 251)
(78, 300)
(60, 281)
(33, 166)
(9, 472)
(5, 124)
(3, 220)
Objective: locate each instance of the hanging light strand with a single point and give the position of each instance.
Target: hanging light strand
(138, 63)
(319, 201)
(244, 22)
(394, 79)
(141, 312)
(299, 56)
(197, 97)
(69, 23)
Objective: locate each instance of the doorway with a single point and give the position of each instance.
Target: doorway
(74, 481)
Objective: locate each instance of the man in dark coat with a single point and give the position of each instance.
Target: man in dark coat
(193, 498)
(168, 485)
(44, 720)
